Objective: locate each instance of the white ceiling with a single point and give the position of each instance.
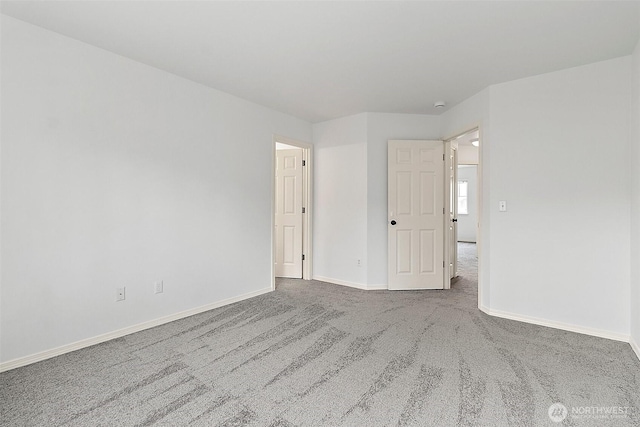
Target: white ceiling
(322, 60)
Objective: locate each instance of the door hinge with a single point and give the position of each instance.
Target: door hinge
(442, 264)
(443, 157)
(303, 257)
(304, 210)
(443, 211)
(304, 163)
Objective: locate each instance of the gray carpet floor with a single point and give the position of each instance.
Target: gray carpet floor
(317, 354)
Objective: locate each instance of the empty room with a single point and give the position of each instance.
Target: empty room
(320, 213)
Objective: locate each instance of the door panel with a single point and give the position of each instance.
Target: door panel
(403, 192)
(289, 195)
(288, 213)
(416, 206)
(404, 247)
(427, 193)
(427, 251)
(288, 245)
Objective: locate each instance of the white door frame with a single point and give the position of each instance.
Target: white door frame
(307, 200)
(480, 202)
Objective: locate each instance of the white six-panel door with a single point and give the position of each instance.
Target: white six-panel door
(288, 213)
(416, 214)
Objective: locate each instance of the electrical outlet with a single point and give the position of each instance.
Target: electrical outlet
(159, 287)
(120, 294)
(359, 261)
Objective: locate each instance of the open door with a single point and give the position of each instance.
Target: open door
(292, 203)
(451, 195)
(416, 211)
(288, 213)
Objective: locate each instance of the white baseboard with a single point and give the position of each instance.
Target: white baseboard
(362, 286)
(47, 354)
(635, 347)
(556, 325)
(378, 287)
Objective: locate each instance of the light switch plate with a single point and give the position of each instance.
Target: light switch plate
(502, 206)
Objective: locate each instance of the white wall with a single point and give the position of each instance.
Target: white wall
(468, 155)
(381, 128)
(634, 135)
(468, 223)
(118, 174)
(559, 158)
(548, 147)
(340, 200)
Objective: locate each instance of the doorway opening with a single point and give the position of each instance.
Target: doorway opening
(466, 204)
(291, 254)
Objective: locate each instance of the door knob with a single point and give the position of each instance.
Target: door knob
(393, 222)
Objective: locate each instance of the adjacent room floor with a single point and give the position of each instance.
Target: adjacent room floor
(314, 354)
